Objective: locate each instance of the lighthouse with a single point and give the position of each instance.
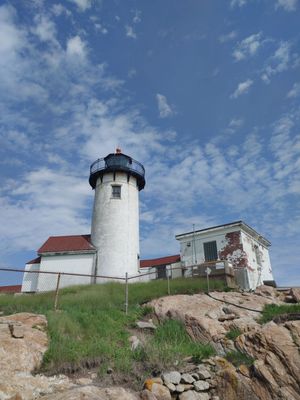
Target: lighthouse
(117, 180)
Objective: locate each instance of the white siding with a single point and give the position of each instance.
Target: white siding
(72, 263)
(30, 280)
(259, 265)
(115, 226)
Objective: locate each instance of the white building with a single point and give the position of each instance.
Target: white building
(245, 249)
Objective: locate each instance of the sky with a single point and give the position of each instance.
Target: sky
(204, 93)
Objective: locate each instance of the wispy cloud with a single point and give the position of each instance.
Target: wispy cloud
(238, 3)
(76, 47)
(295, 91)
(165, 110)
(287, 5)
(82, 5)
(242, 88)
(226, 37)
(247, 47)
(280, 61)
(130, 32)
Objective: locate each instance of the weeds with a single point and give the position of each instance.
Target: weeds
(238, 358)
(233, 333)
(272, 310)
(92, 329)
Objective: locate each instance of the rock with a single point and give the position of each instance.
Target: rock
(160, 392)
(172, 377)
(84, 381)
(147, 395)
(244, 370)
(203, 373)
(192, 395)
(201, 386)
(94, 393)
(227, 317)
(146, 325)
(268, 291)
(170, 386)
(195, 376)
(188, 386)
(295, 294)
(135, 342)
(149, 382)
(187, 378)
(180, 388)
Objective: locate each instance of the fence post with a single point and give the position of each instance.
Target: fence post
(168, 279)
(126, 293)
(56, 292)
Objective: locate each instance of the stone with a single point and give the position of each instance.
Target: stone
(187, 378)
(201, 386)
(244, 370)
(84, 381)
(203, 373)
(192, 395)
(146, 325)
(170, 386)
(149, 382)
(180, 388)
(227, 317)
(160, 392)
(172, 377)
(147, 395)
(135, 342)
(188, 386)
(195, 376)
(295, 294)
(94, 393)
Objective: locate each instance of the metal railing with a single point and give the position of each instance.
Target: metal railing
(125, 164)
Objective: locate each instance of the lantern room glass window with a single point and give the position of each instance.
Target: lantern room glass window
(116, 191)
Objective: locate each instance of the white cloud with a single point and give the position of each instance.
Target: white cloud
(76, 47)
(165, 110)
(238, 3)
(227, 36)
(288, 5)
(279, 62)
(242, 88)
(82, 5)
(45, 29)
(137, 16)
(130, 32)
(295, 91)
(247, 47)
(58, 9)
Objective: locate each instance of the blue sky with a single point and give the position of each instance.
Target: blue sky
(205, 93)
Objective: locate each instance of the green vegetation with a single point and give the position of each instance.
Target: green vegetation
(91, 329)
(272, 310)
(233, 333)
(238, 358)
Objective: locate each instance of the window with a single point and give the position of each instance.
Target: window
(210, 251)
(116, 191)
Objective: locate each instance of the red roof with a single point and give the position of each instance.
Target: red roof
(154, 262)
(11, 289)
(34, 261)
(58, 244)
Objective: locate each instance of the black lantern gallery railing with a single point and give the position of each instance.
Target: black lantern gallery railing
(117, 163)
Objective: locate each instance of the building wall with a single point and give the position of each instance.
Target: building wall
(115, 226)
(30, 280)
(174, 268)
(237, 247)
(259, 264)
(72, 263)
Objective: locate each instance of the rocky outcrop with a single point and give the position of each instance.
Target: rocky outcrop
(94, 393)
(274, 347)
(23, 342)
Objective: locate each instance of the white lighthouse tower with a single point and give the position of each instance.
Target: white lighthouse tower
(117, 180)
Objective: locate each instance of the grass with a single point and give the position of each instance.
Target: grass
(233, 333)
(238, 358)
(91, 328)
(272, 310)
